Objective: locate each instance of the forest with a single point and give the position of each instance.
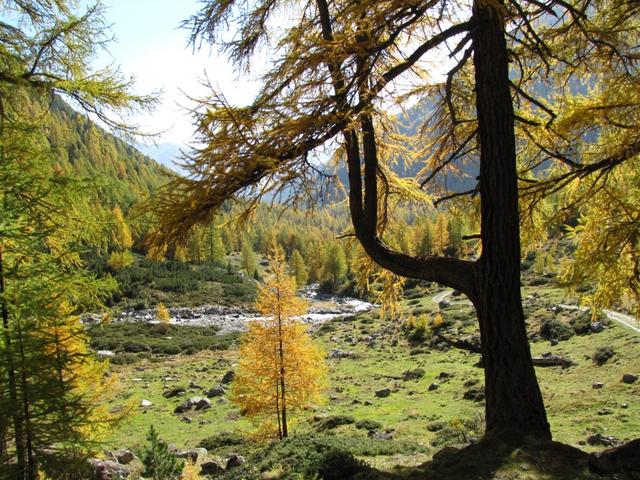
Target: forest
(414, 253)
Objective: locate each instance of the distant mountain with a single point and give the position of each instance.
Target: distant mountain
(167, 154)
(82, 149)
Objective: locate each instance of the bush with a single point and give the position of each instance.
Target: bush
(602, 355)
(337, 465)
(554, 329)
(222, 439)
(331, 422)
(370, 425)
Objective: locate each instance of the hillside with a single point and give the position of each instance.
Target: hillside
(85, 150)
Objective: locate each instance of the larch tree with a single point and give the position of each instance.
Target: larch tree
(281, 371)
(340, 65)
(46, 223)
(298, 268)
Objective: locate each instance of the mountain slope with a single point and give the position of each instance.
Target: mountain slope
(84, 150)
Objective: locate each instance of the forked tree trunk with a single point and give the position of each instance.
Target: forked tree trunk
(514, 405)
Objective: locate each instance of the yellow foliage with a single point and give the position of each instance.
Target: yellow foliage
(119, 260)
(438, 320)
(281, 370)
(163, 317)
(191, 471)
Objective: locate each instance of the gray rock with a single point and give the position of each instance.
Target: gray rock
(124, 457)
(211, 468)
(192, 454)
(216, 391)
(174, 392)
(382, 393)
(597, 385)
(337, 353)
(381, 435)
(234, 461)
(186, 419)
(202, 404)
(368, 403)
(596, 327)
(107, 470)
(629, 378)
(145, 403)
(433, 386)
(228, 377)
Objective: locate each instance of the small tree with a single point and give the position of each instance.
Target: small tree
(163, 317)
(159, 462)
(298, 269)
(248, 258)
(281, 370)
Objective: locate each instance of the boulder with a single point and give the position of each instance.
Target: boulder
(596, 327)
(622, 459)
(337, 353)
(234, 461)
(189, 404)
(388, 435)
(382, 393)
(597, 385)
(123, 457)
(599, 439)
(107, 470)
(433, 386)
(192, 454)
(145, 403)
(174, 392)
(629, 378)
(215, 391)
(414, 374)
(211, 468)
(202, 404)
(228, 377)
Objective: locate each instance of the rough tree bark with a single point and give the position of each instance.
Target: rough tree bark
(513, 400)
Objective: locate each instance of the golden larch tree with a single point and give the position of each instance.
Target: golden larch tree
(281, 370)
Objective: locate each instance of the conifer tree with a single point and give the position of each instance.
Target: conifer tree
(335, 264)
(248, 264)
(159, 462)
(298, 268)
(281, 371)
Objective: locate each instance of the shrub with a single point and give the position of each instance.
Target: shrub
(602, 355)
(554, 329)
(370, 425)
(333, 421)
(222, 439)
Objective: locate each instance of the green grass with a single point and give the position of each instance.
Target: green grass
(411, 411)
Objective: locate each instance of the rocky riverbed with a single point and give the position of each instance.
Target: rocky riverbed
(322, 308)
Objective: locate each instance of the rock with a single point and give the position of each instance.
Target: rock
(124, 457)
(216, 391)
(475, 393)
(107, 470)
(105, 354)
(192, 454)
(382, 393)
(228, 377)
(337, 353)
(234, 461)
(381, 435)
(222, 401)
(625, 458)
(368, 403)
(444, 375)
(624, 405)
(211, 468)
(605, 411)
(202, 404)
(433, 386)
(599, 439)
(414, 374)
(189, 404)
(443, 304)
(145, 403)
(186, 419)
(597, 385)
(596, 327)
(174, 392)
(193, 384)
(629, 378)
(470, 383)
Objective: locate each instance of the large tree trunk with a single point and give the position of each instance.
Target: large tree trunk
(514, 405)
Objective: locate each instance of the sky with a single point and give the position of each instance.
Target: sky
(150, 45)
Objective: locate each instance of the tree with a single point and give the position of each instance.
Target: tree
(441, 234)
(341, 59)
(298, 268)
(158, 461)
(217, 252)
(248, 264)
(163, 317)
(122, 237)
(50, 386)
(335, 267)
(281, 370)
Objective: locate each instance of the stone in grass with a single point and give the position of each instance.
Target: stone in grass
(216, 391)
(599, 439)
(202, 404)
(228, 377)
(629, 378)
(234, 461)
(433, 386)
(145, 403)
(602, 355)
(414, 374)
(174, 392)
(123, 456)
(597, 385)
(383, 392)
(211, 468)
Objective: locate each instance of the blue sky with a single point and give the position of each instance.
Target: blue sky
(150, 46)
